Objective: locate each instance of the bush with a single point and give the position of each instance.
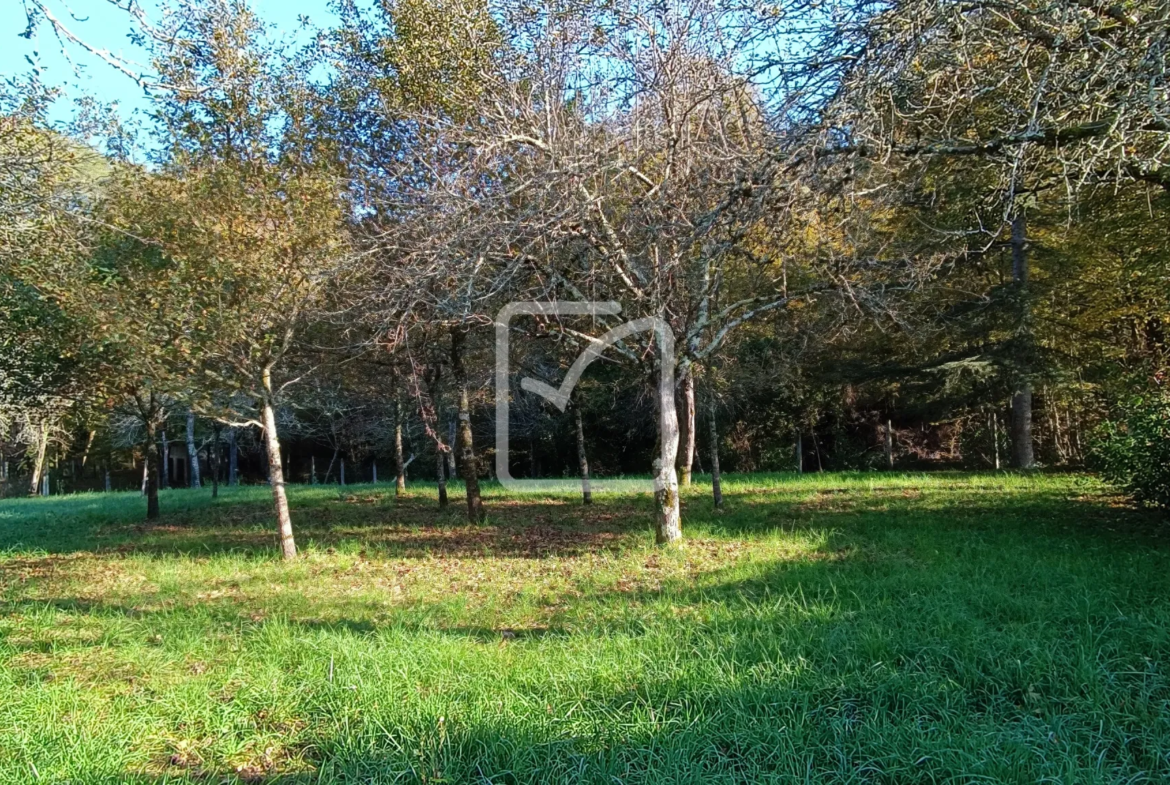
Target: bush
(1132, 450)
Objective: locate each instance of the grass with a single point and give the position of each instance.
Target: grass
(844, 628)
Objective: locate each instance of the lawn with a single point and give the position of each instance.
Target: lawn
(843, 628)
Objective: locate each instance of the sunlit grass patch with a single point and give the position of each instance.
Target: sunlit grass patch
(829, 628)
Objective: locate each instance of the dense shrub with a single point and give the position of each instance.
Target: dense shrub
(1132, 449)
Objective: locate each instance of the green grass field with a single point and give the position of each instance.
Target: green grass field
(860, 628)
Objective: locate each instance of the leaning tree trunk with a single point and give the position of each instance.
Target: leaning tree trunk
(399, 465)
(150, 448)
(38, 467)
(192, 453)
(716, 476)
(288, 546)
(85, 453)
(470, 467)
(1023, 456)
(686, 458)
(582, 459)
(668, 523)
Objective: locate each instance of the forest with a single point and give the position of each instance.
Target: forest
(623, 321)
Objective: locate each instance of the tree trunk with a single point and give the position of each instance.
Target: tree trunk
(108, 484)
(192, 453)
(995, 437)
(1021, 426)
(582, 459)
(34, 486)
(1022, 455)
(716, 477)
(440, 473)
(470, 469)
(668, 523)
(799, 451)
(213, 459)
(342, 476)
(233, 459)
(817, 450)
(889, 444)
(399, 466)
(686, 458)
(452, 468)
(288, 546)
(374, 473)
(88, 446)
(164, 469)
(150, 447)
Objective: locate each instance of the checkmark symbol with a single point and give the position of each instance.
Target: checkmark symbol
(559, 396)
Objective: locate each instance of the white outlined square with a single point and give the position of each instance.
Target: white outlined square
(559, 396)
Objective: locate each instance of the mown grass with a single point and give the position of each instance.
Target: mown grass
(866, 628)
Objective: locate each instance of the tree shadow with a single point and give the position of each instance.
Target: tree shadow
(788, 679)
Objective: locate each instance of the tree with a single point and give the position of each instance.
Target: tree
(251, 224)
(629, 155)
(1019, 94)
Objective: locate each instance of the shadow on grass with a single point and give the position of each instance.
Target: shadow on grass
(831, 670)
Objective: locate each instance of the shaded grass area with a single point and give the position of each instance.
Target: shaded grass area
(852, 628)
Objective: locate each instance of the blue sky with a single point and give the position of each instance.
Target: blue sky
(103, 26)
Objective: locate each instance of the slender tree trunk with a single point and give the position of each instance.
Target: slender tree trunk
(144, 473)
(399, 466)
(686, 458)
(995, 437)
(817, 450)
(164, 469)
(312, 470)
(342, 471)
(716, 476)
(889, 444)
(150, 448)
(452, 435)
(109, 486)
(88, 446)
(1023, 456)
(329, 468)
(38, 466)
(475, 513)
(288, 546)
(668, 523)
(799, 451)
(374, 474)
(440, 473)
(582, 459)
(213, 459)
(233, 459)
(192, 453)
